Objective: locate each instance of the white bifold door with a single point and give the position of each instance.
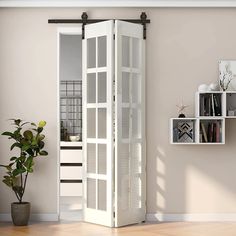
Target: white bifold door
(114, 123)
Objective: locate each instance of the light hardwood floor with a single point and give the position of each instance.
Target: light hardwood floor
(84, 229)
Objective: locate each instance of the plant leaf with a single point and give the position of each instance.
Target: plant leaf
(29, 163)
(25, 123)
(26, 147)
(42, 123)
(8, 134)
(15, 145)
(41, 136)
(7, 182)
(28, 135)
(17, 121)
(41, 144)
(18, 171)
(40, 129)
(43, 153)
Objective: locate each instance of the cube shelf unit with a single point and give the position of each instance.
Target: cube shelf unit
(213, 108)
(174, 130)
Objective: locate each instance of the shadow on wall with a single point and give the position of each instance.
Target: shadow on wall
(196, 179)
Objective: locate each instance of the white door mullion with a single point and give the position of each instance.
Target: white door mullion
(130, 119)
(96, 156)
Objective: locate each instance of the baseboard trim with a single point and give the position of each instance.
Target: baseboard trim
(190, 217)
(33, 217)
(76, 215)
(149, 217)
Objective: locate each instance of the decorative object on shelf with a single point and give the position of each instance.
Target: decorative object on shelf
(227, 72)
(231, 112)
(214, 87)
(181, 108)
(75, 138)
(203, 88)
(210, 87)
(185, 132)
(29, 142)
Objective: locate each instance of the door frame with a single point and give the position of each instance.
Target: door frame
(61, 31)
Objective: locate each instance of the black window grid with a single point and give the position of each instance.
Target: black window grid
(71, 109)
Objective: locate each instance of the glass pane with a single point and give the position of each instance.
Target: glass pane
(102, 51)
(125, 86)
(91, 123)
(102, 195)
(91, 53)
(91, 158)
(102, 87)
(136, 53)
(125, 51)
(135, 193)
(91, 88)
(102, 123)
(136, 154)
(123, 191)
(136, 123)
(125, 123)
(102, 159)
(136, 89)
(91, 193)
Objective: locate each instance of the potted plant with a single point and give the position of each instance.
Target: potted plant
(28, 139)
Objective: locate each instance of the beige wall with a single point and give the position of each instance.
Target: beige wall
(183, 49)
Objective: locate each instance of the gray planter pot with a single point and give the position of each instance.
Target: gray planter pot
(20, 213)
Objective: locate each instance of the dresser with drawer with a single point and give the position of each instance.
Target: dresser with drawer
(71, 156)
(71, 175)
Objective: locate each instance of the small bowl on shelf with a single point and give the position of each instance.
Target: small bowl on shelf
(74, 138)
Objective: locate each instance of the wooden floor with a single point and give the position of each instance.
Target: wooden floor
(84, 229)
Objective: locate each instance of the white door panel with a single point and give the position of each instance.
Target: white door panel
(130, 159)
(98, 131)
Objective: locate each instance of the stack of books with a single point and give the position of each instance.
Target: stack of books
(210, 104)
(210, 132)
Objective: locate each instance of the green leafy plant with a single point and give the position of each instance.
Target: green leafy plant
(28, 139)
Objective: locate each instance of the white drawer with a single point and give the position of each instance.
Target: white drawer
(71, 172)
(71, 189)
(71, 156)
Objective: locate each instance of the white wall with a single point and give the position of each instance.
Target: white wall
(183, 49)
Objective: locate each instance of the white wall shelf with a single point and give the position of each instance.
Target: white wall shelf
(208, 127)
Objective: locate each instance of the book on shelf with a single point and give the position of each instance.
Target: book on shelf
(210, 131)
(217, 104)
(218, 131)
(212, 105)
(204, 132)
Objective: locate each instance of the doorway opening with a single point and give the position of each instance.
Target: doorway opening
(70, 120)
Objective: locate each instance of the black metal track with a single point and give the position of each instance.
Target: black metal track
(84, 20)
(79, 21)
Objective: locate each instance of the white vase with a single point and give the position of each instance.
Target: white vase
(203, 88)
(214, 87)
